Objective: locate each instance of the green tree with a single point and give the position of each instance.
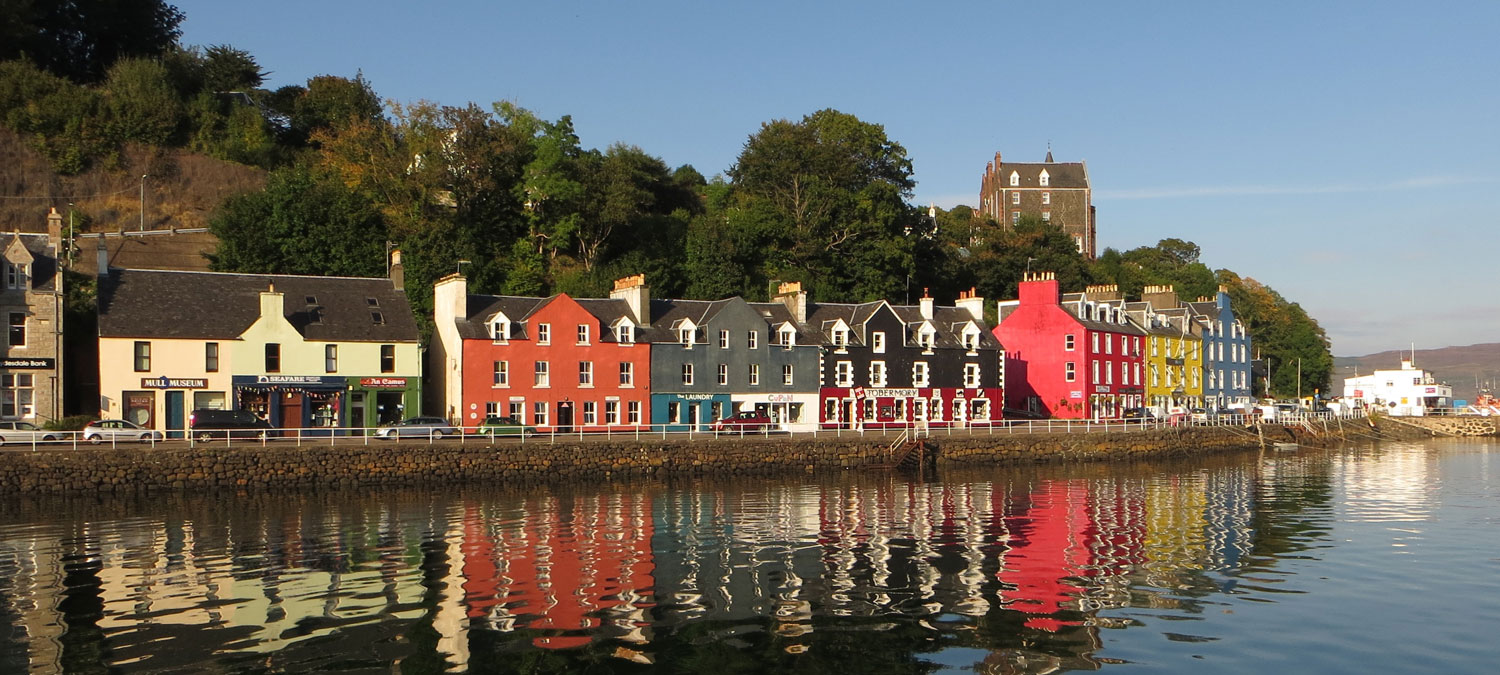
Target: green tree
(82, 39)
(142, 104)
(226, 68)
(300, 223)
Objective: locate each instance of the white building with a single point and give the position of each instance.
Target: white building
(1408, 392)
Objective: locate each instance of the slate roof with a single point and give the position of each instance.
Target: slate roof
(1137, 312)
(776, 314)
(1060, 175)
(822, 316)
(520, 308)
(213, 305)
(665, 314)
(949, 322)
(1070, 304)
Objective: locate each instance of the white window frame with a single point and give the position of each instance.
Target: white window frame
(723, 339)
(544, 334)
(752, 339)
(1070, 371)
(586, 374)
(583, 333)
(687, 374)
(843, 374)
(541, 374)
(971, 375)
(755, 374)
(920, 374)
(723, 374)
(877, 342)
(627, 374)
(877, 374)
(787, 374)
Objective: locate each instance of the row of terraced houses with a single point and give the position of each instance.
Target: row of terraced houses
(329, 352)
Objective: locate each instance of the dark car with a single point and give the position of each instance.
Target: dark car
(495, 425)
(206, 424)
(748, 422)
(1137, 414)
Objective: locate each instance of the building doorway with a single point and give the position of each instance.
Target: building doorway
(565, 416)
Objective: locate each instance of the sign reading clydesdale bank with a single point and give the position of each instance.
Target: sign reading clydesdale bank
(28, 364)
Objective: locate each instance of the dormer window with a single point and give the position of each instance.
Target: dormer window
(685, 335)
(1044, 180)
(841, 337)
(926, 338)
(1015, 179)
(625, 333)
(971, 338)
(788, 336)
(500, 329)
(17, 275)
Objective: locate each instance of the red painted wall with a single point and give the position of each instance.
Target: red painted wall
(562, 354)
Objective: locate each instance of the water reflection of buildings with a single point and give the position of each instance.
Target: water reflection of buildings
(1031, 567)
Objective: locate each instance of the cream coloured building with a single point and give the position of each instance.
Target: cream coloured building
(298, 351)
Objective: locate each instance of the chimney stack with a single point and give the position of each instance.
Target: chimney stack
(926, 305)
(397, 271)
(795, 299)
(1103, 292)
(103, 258)
(450, 298)
(1038, 288)
(971, 301)
(272, 304)
(637, 296)
(1160, 297)
(54, 231)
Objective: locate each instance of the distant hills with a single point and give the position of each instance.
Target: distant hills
(1467, 369)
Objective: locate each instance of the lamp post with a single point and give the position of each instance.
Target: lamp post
(143, 201)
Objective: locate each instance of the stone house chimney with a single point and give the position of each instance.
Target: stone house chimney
(971, 301)
(450, 299)
(795, 299)
(1103, 293)
(54, 232)
(637, 296)
(272, 304)
(102, 255)
(925, 306)
(1160, 297)
(397, 271)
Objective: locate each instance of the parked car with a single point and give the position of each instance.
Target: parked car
(206, 424)
(26, 432)
(1137, 414)
(495, 425)
(432, 428)
(114, 431)
(750, 421)
(1202, 415)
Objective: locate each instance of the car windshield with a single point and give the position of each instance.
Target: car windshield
(26, 425)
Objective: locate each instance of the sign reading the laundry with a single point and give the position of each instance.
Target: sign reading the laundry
(28, 364)
(383, 383)
(165, 382)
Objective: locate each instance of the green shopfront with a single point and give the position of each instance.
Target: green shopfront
(373, 401)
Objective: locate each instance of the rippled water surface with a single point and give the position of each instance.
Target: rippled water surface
(1374, 559)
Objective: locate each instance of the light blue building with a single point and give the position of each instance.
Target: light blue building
(1226, 353)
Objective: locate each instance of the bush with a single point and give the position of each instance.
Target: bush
(69, 423)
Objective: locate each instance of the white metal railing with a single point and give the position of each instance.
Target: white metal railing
(453, 434)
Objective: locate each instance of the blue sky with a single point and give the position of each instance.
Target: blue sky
(1341, 152)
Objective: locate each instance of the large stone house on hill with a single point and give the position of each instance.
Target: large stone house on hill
(1057, 192)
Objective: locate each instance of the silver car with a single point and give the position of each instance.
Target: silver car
(116, 431)
(26, 432)
(432, 428)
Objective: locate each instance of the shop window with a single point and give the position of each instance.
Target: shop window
(674, 411)
(330, 358)
(211, 357)
(17, 329)
(142, 357)
(387, 358)
(17, 395)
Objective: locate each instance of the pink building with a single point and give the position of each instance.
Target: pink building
(1073, 357)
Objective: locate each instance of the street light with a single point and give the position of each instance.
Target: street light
(143, 201)
(461, 264)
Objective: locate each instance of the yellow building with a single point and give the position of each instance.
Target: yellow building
(298, 351)
(1174, 350)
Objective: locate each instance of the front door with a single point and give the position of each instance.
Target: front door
(357, 413)
(175, 414)
(693, 415)
(565, 417)
(291, 410)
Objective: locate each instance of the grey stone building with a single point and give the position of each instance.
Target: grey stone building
(31, 300)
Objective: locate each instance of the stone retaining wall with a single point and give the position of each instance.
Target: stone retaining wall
(1448, 426)
(144, 469)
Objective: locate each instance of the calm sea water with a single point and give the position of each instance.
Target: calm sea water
(1371, 559)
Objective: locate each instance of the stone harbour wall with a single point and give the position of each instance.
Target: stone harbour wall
(1446, 426)
(276, 466)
